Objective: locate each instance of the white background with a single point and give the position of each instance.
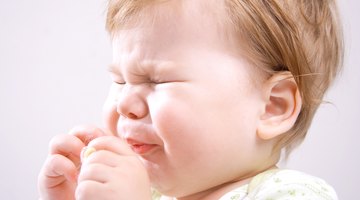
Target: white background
(53, 59)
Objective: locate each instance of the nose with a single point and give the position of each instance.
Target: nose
(132, 103)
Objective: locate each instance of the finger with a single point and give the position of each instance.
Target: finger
(68, 146)
(89, 190)
(114, 164)
(96, 172)
(87, 133)
(113, 144)
(57, 169)
(108, 158)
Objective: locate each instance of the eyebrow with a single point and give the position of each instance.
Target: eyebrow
(151, 66)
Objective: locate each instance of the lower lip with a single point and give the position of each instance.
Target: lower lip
(143, 149)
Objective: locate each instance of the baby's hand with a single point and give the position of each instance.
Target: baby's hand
(59, 174)
(112, 171)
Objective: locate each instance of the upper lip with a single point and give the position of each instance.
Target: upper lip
(138, 134)
(134, 142)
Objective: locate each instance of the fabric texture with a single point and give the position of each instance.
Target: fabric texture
(280, 184)
(283, 185)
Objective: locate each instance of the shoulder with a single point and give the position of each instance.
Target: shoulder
(289, 184)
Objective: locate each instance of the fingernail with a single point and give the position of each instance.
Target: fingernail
(86, 152)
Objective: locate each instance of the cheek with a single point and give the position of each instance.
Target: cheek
(177, 124)
(204, 117)
(170, 118)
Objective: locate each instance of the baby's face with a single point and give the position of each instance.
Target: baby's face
(186, 102)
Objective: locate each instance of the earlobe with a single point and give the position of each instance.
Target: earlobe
(282, 106)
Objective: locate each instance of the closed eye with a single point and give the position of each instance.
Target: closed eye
(158, 82)
(120, 82)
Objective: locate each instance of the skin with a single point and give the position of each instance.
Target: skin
(191, 102)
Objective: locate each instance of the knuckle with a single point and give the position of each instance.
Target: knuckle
(88, 170)
(102, 140)
(52, 159)
(86, 133)
(96, 157)
(56, 162)
(56, 141)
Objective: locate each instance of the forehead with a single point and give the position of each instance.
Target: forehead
(127, 13)
(168, 23)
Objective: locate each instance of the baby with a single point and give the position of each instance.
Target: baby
(206, 95)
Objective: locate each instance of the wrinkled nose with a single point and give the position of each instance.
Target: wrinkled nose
(132, 103)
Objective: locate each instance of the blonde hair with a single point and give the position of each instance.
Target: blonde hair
(300, 36)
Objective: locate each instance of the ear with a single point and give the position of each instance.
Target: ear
(282, 106)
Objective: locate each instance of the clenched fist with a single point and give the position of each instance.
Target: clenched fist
(113, 171)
